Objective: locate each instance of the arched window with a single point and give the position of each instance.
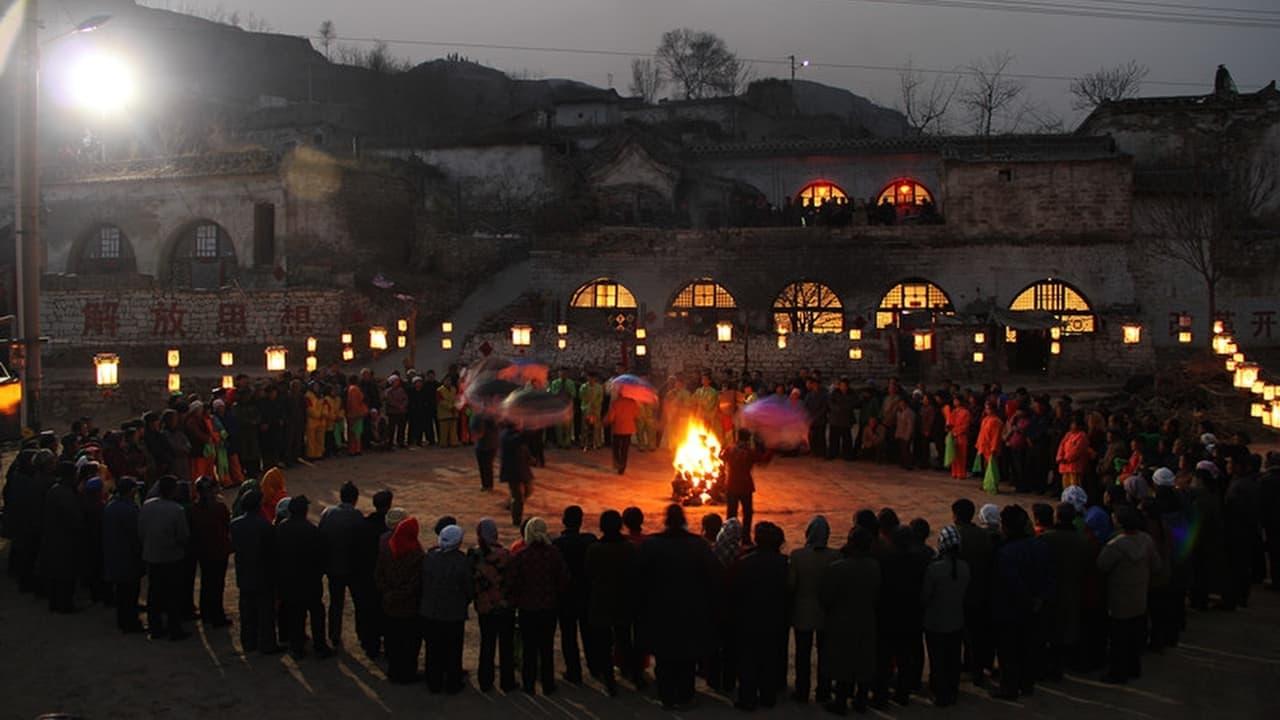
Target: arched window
(820, 191)
(1061, 299)
(908, 296)
(105, 250)
(203, 257)
(603, 293)
(701, 295)
(808, 307)
(905, 193)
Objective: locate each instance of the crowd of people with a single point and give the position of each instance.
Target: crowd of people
(1151, 518)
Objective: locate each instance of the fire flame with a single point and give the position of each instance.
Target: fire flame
(698, 458)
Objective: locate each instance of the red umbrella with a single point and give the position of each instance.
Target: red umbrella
(634, 387)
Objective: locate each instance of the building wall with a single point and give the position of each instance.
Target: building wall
(522, 168)
(860, 176)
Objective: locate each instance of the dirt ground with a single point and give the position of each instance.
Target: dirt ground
(1227, 665)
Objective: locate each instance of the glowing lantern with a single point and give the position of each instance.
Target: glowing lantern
(1257, 410)
(402, 325)
(1269, 393)
(641, 333)
(1055, 333)
(312, 363)
(782, 342)
(1232, 348)
(377, 338)
(521, 335)
(923, 341)
(979, 338)
(1184, 337)
(724, 332)
(1231, 364)
(1220, 344)
(855, 353)
(1275, 414)
(175, 382)
(1246, 374)
(979, 357)
(174, 357)
(855, 334)
(348, 354)
(1184, 321)
(1258, 387)
(1055, 348)
(1010, 335)
(346, 338)
(1132, 334)
(107, 369)
(402, 341)
(562, 329)
(446, 327)
(641, 350)
(312, 344)
(228, 358)
(277, 358)
(561, 343)
(1268, 418)
(446, 343)
(228, 382)
(1219, 327)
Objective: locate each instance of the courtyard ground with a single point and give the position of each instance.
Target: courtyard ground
(1228, 665)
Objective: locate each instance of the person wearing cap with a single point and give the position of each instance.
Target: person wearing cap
(447, 590)
(300, 557)
(538, 580)
(165, 532)
(252, 541)
(496, 614)
(1128, 561)
(942, 595)
(804, 580)
(122, 553)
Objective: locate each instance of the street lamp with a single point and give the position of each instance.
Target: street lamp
(26, 197)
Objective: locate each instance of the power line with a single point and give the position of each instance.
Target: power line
(1091, 11)
(1179, 6)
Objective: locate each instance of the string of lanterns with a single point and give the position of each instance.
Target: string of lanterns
(1247, 376)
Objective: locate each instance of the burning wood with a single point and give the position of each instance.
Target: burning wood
(699, 470)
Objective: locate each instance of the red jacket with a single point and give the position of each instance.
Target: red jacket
(622, 415)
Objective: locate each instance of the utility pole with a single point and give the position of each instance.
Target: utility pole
(27, 211)
(792, 58)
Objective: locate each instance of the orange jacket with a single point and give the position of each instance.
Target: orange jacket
(1074, 452)
(622, 415)
(989, 436)
(356, 408)
(958, 423)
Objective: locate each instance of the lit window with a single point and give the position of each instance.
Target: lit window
(603, 293)
(816, 193)
(905, 192)
(911, 296)
(206, 241)
(109, 243)
(808, 307)
(1065, 302)
(702, 294)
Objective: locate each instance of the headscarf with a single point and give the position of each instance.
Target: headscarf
(990, 516)
(1076, 497)
(1208, 440)
(948, 539)
(1210, 467)
(273, 486)
(487, 531)
(1164, 477)
(1098, 521)
(1135, 486)
(536, 532)
(282, 509)
(817, 533)
(729, 541)
(404, 539)
(245, 487)
(450, 538)
(395, 516)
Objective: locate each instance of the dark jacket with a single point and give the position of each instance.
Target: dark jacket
(344, 530)
(757, 585)
(1128, 560)
(840, 406)
(573, 546)
(804, 580)
(399, 582)
(1024, 581)
(901, 578)
(300, 557)
(211, 531)
(165, 532)
(447, 586)
(610, 570)
(62, 534)
(515, 458)
(253, 541)
(678, 576)
(24, 494)
(121, 546)
(850, 594)
(942, 595)
(1072, 557)
(739, 462)
(538, 578)
(977, 549)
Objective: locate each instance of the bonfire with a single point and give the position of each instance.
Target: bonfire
(699, 470)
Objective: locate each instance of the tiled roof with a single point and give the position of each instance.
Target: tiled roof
(957, 147)
(245, 163)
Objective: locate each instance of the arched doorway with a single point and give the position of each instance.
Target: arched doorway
(902, 199)
(202, 257)
(104, 250)
(603, 303)
(808, 307)
(1071, 314)
(909, 305)
(700, 304)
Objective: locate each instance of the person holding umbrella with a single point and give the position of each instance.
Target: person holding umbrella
(622, 415)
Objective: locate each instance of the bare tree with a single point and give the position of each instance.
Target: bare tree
(926, 103)
(1208, 214)
(990, 94)
(646, 79)
(699, 63)
(1108, 83)
(328, 31)
(377, 58)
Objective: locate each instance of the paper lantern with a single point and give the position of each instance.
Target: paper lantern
(855, 353)
(446, 343)
(562, 343)
(521, 335)
(979, 357)
(1269, 393)
(1257, 409)
(979, 338)
(1219, 327)
(173, 357)
(312, 344)
(228, 358)
(641, 350)
(175, 382)
(1132, 334)
(377, 338)
(348, 354)
(1010, 335)
(402, 342)
(107, 368)
(446, 327)
(1231, 365)
(1237, 356)
(724, 332)
(1258, 387)
(1055, 348)
(228, 382)
(312, 363)
(1268, 418)
(1055, 333)
(855, 334)
(346, 338)
(641, 333)
(402, 325)
(1184, 321)
(1220, 344)
(782, 342)
(922, 341)
(562, 329)
(1232, 347)
(1275, 414)
(1184, 337)
(277, 358)
(1246, 375)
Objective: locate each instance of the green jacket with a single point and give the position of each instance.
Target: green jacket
(592, 398)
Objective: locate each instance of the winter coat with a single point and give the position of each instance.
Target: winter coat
(165, 532)
(447, 587)
(622, 415)
(739, 460)
(397, 400)
(942, 595)
(804, 580)
(121, 546)
(62, 534)
(989, 436)
(538, 578)
(1073, 557)
(24, 495)
(840, 409)
(399, 582)
(1128, 561)
(757, 585)
(300, 558)
(1024, 581)
(977, 549)
(343, 528)
(1074, 453)
(678, 576)
(573, 546)
(211, 531)
(489, 578)
(253, 541)
(610, 570)
(901, 577)
(850, 593)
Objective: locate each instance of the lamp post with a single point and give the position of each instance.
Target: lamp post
(26, 196)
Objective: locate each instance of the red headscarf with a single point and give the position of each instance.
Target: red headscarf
(404, 539)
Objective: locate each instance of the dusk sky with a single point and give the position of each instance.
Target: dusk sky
(825, 31)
